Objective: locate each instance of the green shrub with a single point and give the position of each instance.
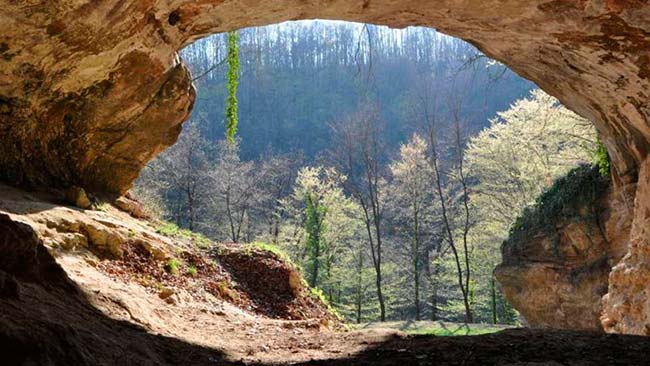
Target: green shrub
(172, 266)
(580, 188)
(192, 271)
(601, 158)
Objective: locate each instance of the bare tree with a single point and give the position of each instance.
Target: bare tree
(236, 189)
(179, 175)
(358, 155)
(444, 180)
(280, 173)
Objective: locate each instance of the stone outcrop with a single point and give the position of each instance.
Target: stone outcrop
(557, 261)
(92, 90)
(626, 306)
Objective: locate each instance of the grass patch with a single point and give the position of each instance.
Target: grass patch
(455, 330)
(172, 266)
(101, 206)
(271, 248)
(437, 329)
(172, 230)
(168, 229)
(266, 247)
(192, 271)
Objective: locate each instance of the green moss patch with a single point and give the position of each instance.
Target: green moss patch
(571, 197)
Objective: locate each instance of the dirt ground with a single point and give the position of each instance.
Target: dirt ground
(87, 320)
(68, 307)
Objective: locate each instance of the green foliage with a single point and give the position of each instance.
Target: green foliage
(314, 227)
(233, 82)
(172, 230)
(192, 271)
(581, 187)
(172, 266)
(101, 206)
(601, 158)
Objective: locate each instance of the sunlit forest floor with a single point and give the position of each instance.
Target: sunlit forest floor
(437, 328)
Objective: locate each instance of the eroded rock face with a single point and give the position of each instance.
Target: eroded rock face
(92, 90)
(626, 306)
(556, 272)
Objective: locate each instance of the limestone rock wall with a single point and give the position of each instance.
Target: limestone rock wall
(556, 273)
(92, 90)
(626, 306)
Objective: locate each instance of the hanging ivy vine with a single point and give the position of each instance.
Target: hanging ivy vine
(233, 82)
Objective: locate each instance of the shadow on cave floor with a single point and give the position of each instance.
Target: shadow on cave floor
(45, 319)
(20, 202)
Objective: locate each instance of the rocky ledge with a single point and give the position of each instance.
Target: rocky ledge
(557, 260)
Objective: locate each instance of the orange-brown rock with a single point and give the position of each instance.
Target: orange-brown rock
(92, 90)
(556, 271)
(626, 306)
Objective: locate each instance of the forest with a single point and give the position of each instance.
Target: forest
(389, 165)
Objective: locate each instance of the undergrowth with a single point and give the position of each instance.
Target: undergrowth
(172, 266)
(172, 230)
(271, 248)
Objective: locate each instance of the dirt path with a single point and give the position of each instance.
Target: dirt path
(96, 321)
(60, 324)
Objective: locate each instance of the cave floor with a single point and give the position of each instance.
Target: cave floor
(58, 307)
(61, 323)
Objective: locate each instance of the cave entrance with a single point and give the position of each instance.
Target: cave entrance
(308, 89)
(93, 91)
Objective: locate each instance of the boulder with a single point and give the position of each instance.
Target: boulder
(557, 260)
(77, 196)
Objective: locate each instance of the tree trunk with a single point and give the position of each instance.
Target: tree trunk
(359, 285)
(382, 306)
(434, 301)
(494, 300)
(315, 262)
(416, 269)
